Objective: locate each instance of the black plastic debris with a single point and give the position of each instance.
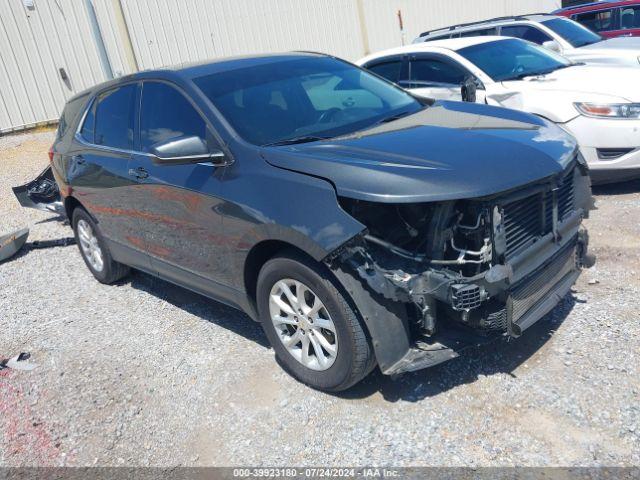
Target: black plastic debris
(58, 242)
(41, 193)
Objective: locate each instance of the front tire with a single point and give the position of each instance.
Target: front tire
(311, 326)
(94, 249)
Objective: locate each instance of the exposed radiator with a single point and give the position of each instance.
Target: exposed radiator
(528, 219)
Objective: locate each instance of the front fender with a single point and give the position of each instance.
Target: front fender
(289, 207)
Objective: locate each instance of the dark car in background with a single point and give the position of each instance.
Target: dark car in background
(359, 225)
(618, 18)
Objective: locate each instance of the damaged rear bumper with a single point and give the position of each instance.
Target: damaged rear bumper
(41, 193)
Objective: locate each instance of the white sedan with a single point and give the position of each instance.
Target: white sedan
(598, 105)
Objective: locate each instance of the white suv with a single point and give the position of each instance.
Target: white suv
(599, 105)
(553, 32)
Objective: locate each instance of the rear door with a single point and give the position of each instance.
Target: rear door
(181, 221)
(97, 170)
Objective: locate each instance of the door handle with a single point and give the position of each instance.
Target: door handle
(138, 172)
(79, 159)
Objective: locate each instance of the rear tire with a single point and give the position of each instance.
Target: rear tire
(94, 249)
(289, 281)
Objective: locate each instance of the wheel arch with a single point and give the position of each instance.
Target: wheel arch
(260, 254)
(70, 204)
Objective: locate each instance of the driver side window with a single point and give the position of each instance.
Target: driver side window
(166, 114)
(431, 71)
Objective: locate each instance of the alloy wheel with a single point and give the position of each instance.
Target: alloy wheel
(303, 324)
(90, 245)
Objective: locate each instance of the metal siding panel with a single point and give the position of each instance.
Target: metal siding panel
(57, 90)
(110, 34)
(382, 22)
(165, 32)
(23, 65)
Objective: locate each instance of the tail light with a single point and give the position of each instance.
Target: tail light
(51, 154)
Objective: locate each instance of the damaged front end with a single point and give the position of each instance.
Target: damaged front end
(459, 273)
(41, 193)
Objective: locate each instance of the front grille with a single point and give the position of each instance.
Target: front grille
(533, 288)
(528, 219)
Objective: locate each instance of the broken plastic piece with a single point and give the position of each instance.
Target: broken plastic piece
(42, 193)
(19, 362)
(12, 243)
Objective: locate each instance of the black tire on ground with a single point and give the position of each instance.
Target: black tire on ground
(355, 358)
(112, 271)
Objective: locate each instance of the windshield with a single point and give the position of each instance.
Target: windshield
(572, 32)
(303, 99)
(512, 59)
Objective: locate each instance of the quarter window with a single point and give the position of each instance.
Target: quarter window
(89, 125)
(114, 118)
(526, 32)
(166, 114)
(388, 70)
(427, 70)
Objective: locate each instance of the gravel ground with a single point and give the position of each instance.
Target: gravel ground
(145, 373)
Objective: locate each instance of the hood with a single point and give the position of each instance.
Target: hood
(614, 51)
(618, 82)
(628, 44)
(449, 151)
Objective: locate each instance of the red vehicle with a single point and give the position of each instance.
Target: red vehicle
(613, 18)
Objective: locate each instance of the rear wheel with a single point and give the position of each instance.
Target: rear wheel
(94, 250)
(313, 330)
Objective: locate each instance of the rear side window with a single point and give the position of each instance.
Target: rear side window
(389, 70)
(525, 32)
(430, 71)
(166, 114)
(485, 32)
(600, 21)
(114, 115)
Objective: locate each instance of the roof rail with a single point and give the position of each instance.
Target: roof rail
(480, 22)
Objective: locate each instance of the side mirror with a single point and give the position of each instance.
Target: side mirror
(186, 150)
(468, 90)
(552, 45)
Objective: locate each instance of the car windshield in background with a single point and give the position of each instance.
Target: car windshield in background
(305, 99)
(572, 32)
(512, 59)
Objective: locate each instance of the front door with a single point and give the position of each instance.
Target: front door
(180, 221)
(437, 77)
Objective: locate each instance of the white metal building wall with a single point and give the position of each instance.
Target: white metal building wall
(165, 32)
(140, 34)
(34, 45)
(421, 15)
